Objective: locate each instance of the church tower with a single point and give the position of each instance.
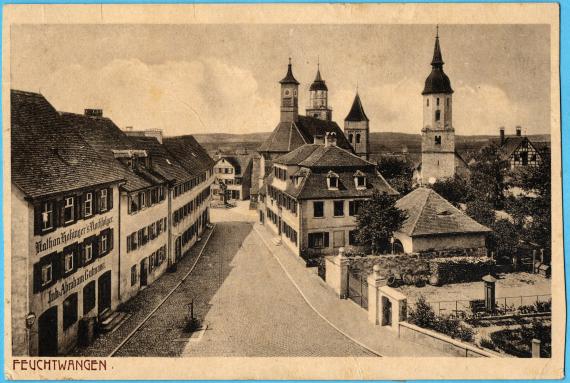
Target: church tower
(289, 96)
(438, 135)
(318, 98)
(357, 129)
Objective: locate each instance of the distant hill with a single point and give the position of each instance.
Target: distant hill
(380, 142)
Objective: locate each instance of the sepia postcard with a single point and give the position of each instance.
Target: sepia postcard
(282, 191)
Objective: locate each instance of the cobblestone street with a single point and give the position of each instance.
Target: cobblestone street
(240, 292)
(257, 311)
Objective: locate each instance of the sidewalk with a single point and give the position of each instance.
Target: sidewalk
(143, 304)
(343, 314)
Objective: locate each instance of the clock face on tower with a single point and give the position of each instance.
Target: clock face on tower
(287, 92)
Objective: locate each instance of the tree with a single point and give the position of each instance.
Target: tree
(532, 210)
(397, 172)
(455, 190)
(481, 211)
(488, 176)
(377, 220)
(505, 238)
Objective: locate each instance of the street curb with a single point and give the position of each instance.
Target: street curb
(116, 349)
(307, 300)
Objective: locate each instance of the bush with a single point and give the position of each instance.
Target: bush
(517, 342)
(424, 316)
(487, 343)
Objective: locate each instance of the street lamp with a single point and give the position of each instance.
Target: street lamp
(30, 320)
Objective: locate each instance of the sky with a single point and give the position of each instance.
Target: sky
(188, 79)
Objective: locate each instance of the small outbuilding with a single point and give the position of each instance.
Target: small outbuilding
(433, 223)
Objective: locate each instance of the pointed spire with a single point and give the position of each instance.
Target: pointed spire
(437, 60)
(289, 78)
(356, 111)
(319, 83)
(437, 81)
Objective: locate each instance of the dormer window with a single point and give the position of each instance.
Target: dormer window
(332, 180)
(359, 180)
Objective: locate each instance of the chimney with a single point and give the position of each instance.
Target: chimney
(94, 112)
(502, 134)
(519, 131)
(330, 139)
(319, 140)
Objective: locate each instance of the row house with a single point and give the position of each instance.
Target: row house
(313, 194)
(235, 172)
(151, 210)
(63, 248)
(190, 201)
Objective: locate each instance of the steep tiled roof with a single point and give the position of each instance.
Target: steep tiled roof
(289, 136)
(317, 161)
(47, 155)
(356, 111)
(189, 153)
(319, 156)
(106, 138)
(430, 214)
(161, 161)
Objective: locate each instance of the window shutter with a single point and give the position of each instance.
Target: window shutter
(75, 257)
(326, 239)
(37, 277)
(80, 254)
(110, 239)
(79, 207)
(95, 242)
(110, 199)
(37, 218)
(56, 259)
(96, 198)
(60, 207)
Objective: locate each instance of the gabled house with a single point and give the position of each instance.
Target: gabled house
(313, 195)
(519, 150)
(435, 224)
(235, 173)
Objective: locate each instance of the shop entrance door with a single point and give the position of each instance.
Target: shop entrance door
(104, 292)
(47, 333)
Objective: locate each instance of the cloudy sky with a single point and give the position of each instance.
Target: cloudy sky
(189, 79)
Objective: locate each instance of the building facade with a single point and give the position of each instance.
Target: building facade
(235, 172)
(99, 215)
(65, 224)
(313, 195)
(518, 150)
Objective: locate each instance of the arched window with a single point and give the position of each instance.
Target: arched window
(437, 101)
(427, 102)
(358, 138)
(350, 138)
(437, 115)
(438, 140)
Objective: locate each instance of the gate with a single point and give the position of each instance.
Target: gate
(357, 287)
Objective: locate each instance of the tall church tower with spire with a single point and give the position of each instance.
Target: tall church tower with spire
(318, 98)
(289, 96)
(438, 134)
(357, 129)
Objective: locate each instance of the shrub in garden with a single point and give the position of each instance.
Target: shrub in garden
(424, 316)
(487, 343)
